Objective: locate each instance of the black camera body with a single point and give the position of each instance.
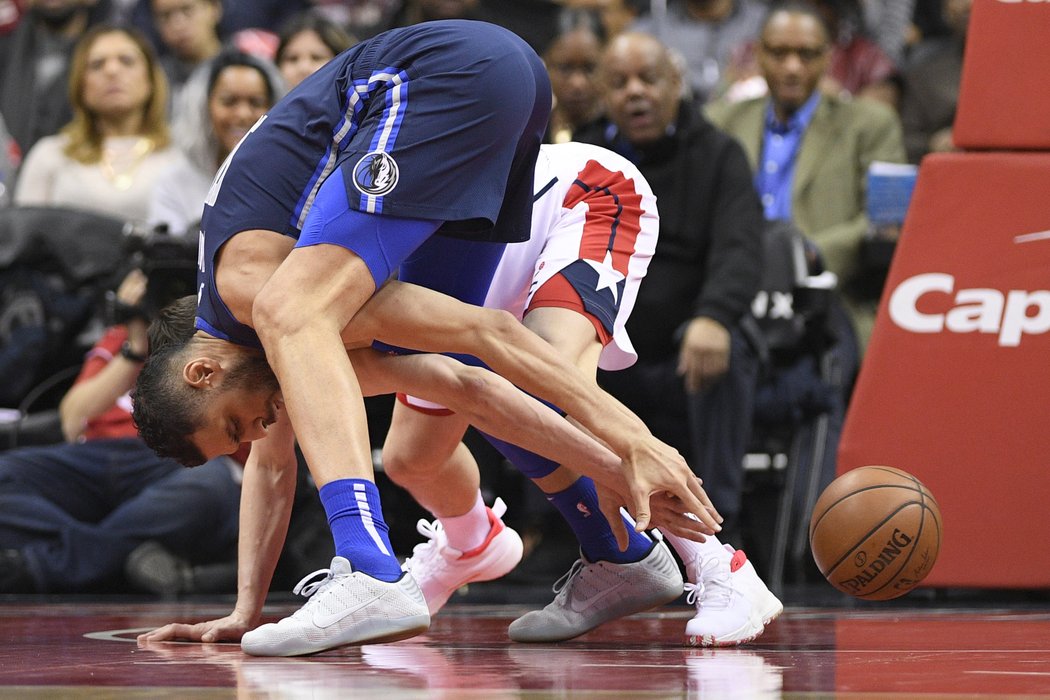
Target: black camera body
(170, 265)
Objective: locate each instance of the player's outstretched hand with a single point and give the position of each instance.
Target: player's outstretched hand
(653, 469)
(227, 629)
(667, 513)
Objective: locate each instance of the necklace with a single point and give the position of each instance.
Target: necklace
(129, 162)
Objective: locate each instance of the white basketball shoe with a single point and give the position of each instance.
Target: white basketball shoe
(440, 570)
(592, 593)
(733, 605)
(345, 607)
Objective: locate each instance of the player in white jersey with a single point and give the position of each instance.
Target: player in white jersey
(594, 229)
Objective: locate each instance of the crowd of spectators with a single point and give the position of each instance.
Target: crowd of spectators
(734, 110)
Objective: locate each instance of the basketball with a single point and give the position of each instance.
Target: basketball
(875, 532)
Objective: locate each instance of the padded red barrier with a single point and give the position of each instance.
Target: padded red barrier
(1004, 102)
(956, 380)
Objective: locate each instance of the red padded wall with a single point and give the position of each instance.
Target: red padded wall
(956, 380)
(1004, 98)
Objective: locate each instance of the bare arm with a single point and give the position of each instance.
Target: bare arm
(490, 403)
(411, 316)
(92, 397)
(266, 504)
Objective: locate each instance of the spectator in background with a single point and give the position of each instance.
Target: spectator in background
(34, 67)
(106, 159)
(931, 87)
(306, 43)
(362, 18)
(889, 24)
(695, 378)
(241, 88)
(705, 33)
(616, 15)
(857, 66)
(74, 515)
(416, 11)
(189, 35)
(572, 63)
(810, 151)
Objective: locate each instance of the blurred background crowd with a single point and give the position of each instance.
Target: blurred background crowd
(755, 122)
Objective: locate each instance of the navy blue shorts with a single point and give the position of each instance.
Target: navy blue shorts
(439, 121)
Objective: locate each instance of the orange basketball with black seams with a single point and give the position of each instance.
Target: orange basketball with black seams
(875, 532)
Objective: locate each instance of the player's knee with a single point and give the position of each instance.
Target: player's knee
(273, 315)
(404, 464)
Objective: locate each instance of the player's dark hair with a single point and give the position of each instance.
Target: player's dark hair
(173, 326)
(165, 409)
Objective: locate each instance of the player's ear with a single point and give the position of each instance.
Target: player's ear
(202, 372)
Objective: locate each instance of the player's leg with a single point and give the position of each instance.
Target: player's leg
(341, 256)
(467, 541)
(614, 583)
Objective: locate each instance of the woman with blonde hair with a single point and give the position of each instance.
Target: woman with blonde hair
(107, 158)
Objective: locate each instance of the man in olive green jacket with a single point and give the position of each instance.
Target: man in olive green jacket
(811, 151)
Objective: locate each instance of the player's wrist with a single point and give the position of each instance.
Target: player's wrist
(131, 354)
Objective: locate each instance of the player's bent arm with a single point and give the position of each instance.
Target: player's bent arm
(411, 316)
(414, 317)
(488, 402)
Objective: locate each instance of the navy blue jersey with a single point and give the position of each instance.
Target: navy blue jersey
(439, 121)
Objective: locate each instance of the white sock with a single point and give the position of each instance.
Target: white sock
(693, 553)
(466, 532)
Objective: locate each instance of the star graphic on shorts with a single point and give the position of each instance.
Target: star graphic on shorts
(608, 278)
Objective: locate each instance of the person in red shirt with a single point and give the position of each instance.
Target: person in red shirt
(71, 514)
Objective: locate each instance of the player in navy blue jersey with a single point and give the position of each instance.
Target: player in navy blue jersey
(430, 129)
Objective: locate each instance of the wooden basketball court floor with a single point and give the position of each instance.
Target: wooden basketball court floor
(86, 649)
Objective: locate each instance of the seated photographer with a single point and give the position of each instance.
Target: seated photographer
(74, 515)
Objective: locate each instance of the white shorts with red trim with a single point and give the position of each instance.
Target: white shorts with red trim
(595, 220)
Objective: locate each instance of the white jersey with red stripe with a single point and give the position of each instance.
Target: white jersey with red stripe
(591, 205)
(594, 219)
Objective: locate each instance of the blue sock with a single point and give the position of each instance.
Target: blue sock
(579, 505)
(360, 533)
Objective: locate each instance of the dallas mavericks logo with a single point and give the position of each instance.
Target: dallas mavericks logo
(375, 174)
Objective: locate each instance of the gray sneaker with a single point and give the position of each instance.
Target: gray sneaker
(593, 593)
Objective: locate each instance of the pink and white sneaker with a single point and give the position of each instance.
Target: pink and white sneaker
(733, 605)
(440, 570)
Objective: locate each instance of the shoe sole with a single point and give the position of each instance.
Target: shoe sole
(511, 548)
(745, 634)
(373, 631)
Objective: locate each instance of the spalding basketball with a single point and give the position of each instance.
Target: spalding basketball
(875, 532)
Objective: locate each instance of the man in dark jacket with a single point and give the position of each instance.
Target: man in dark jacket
(695, 378)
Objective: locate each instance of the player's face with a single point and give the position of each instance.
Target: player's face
(303, 55)
(793, 55)
(236, 102)
(240, 409)
(641, 88)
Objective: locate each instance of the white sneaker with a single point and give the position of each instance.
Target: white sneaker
(345, 607)
(440, 570)
(733, 605)
(592, 593)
